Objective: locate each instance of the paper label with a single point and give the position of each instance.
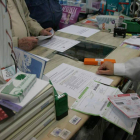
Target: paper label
(99, 61)
(64, 134)
(129, 104)
(75, 120)
(8, 72)
(56, 132)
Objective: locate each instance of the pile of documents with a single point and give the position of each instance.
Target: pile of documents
(129, 104)
(94, 101)
(59, 44)
(33, 115)
(130, 46)
(91, 94)
(62, 44)
(80, 31)
(73, 80)
(134, 40)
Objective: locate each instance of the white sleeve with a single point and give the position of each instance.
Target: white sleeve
(130, 69)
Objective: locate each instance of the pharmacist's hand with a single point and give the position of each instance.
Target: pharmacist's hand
(46, 32)
(27, 43)
(106, 68)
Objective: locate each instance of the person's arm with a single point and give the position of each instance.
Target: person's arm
(26, 43)
(33, 25)
(130, 69)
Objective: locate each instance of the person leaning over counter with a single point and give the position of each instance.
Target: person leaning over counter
(130, 69)
(23, 26)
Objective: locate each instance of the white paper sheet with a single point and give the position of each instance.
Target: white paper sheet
(93, 100)
(134, 40)
(129, 104)
(115, 116)
(36, 89)
(80, 31)
(59, 43)
(72, 80)
(40, 38)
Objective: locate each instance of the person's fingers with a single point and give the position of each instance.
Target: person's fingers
(48, 33)
(49, 29)
(106, 72)
(102, 67)
(33, 39)
(28, 43)
(34, 44)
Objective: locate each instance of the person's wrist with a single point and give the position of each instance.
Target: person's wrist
(113, 69)
(41, 32)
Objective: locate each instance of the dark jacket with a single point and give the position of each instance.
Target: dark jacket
(47, 12)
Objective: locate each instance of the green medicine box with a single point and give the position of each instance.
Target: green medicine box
(61, 104)
(132, 26)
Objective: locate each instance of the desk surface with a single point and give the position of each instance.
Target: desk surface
(121, 54)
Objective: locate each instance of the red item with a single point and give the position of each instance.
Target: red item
(97, 62)
(3, 115)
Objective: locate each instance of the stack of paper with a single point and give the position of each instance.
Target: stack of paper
(34, 91)
(129, 104)
(40, 38)
(134, 40)
(94, 101)
(72, 80)
(36, 115)
(80, 31)
(44, 94)
(60, 44)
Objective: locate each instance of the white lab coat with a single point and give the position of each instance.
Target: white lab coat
(130, 69)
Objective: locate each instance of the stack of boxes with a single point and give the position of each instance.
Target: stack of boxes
(32, 120)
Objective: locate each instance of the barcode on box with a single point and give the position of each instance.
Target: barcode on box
(74, 120)
(134, 98)
(119, 103)
(64, 134)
